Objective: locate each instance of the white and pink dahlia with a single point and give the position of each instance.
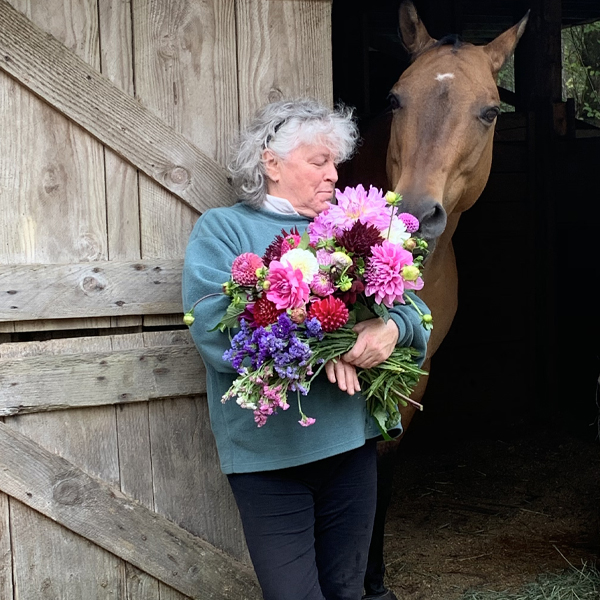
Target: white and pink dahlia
(304, 260)
(384, 274)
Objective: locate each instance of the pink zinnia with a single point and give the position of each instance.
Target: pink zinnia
(287, 288)
(383, 277)
(243, 269)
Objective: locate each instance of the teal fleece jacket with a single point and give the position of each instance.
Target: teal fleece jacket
(342, 422)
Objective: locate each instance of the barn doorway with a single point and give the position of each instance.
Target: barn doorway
(498, 480)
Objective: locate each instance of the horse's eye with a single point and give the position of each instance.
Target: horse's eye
(394, 101)
(489, 113)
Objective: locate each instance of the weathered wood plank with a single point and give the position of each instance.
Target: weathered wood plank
(56, 488)
(185, 64)
(45, 383)
(47, 164)
(71, 86)
(187, 474)
(284, 50)
(97, 289)
(49, 559)
(122, 198)
(6, 583)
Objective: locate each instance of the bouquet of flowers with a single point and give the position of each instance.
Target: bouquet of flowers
(295, 306)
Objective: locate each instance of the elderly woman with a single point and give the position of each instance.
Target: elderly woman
(306, 495)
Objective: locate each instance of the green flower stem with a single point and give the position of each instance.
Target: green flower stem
(191, 311)
(414, 304)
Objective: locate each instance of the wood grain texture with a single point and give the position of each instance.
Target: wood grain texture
(101, 288)
(55, 487)
(284, 51)
(48, 69)
(52, 381)
(187, 474)
(6, 585)
(50, 560)
(47, 164)
(122, 198)
(185, 73)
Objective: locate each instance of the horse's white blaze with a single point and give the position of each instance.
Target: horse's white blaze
(442, 76)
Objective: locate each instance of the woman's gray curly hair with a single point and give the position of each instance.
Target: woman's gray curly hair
(282, 126)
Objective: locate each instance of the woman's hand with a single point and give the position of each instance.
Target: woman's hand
(344, 374)
(376, 341)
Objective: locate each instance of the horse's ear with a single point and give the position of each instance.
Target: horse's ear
(412, 31)
(500, 49)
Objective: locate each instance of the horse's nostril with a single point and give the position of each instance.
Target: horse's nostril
(432, 218)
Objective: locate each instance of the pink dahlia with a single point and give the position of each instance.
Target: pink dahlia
(356, 204)
(383, 275)
(243, 269)
(321, 284)
(411, 222)
(289, 242)
(287, 288)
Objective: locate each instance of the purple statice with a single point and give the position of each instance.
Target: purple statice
(313, 329)
(240, 345)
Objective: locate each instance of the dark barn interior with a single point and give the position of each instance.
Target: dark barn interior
(498, 479)
(524, 347)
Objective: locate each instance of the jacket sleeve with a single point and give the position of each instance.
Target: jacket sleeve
(207, 266)
(410, 329)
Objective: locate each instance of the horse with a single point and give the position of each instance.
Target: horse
(444, 108)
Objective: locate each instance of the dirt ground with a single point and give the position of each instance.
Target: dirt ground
(491, 513)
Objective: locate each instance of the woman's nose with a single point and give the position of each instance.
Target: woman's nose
(332, 174)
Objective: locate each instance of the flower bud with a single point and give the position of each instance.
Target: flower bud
(341, 260)
(261, 272)
(392, 198)
(410, 244)
(266, 284)
(298, 315)
(344, 284)
(410, 273)
(188, 318)
(427, 319)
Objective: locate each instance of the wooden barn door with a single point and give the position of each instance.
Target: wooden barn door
(114, 124)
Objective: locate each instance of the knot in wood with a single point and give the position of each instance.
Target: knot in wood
(68, 492)
(179, 176)
(91, 284)
(275, 94)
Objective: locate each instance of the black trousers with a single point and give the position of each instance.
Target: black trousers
(308, 528)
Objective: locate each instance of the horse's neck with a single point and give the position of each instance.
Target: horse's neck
(440, 292)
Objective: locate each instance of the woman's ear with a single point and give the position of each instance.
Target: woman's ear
(272, 164)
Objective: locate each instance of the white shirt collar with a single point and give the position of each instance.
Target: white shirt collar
(279, 205)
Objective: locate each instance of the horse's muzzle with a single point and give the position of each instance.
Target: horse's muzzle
(431, 214)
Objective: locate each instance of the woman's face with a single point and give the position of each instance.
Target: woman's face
(306, 177)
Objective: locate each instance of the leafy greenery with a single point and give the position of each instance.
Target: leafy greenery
(581, 70)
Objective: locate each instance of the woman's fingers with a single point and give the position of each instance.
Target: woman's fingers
(376, 341)
(344, 374)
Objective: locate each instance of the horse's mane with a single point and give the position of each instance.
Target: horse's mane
(452, 39)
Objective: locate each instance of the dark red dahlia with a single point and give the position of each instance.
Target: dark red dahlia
(331, 313)
(360, 238)
(349, 297)
(274, 249)
(265, 312)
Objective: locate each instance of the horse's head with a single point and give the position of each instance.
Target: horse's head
(444, 112)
